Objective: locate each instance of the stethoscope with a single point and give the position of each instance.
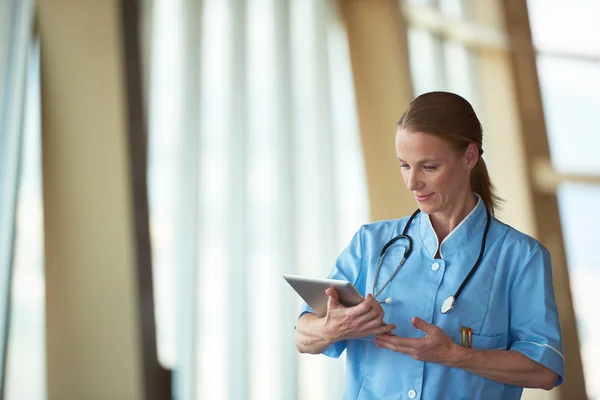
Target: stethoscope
(448, 304)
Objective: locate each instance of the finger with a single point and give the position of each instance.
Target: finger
(404, 350)
(364, 307)
(381, 330)
(373, 324)
(423, 325)
(385, 329)
(372, 315)
(401, 341)
(334, 298)
(371, 302)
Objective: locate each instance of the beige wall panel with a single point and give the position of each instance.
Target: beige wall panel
(93, 337)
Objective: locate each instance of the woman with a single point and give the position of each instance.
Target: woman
(503, 332)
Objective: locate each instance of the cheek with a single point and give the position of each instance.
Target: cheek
(437, 181)
(442, 182)
(454, 182)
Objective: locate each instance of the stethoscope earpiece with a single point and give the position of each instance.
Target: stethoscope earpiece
(386, 301)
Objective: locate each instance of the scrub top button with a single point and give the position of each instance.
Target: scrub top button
(412, 394)
(435, 266)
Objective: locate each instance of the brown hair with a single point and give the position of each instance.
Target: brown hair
(452, 118)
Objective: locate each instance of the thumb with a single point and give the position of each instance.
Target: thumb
(334, 298)
(422, 325)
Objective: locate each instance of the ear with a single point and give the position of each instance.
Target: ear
(471, 155)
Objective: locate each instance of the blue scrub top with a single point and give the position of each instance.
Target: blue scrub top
(508, 302)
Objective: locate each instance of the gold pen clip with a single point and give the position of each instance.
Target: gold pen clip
(466, 336)
(469, 337)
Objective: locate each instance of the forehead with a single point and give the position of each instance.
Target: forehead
(420, 145)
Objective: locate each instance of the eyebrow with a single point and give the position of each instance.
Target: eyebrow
(423, 161)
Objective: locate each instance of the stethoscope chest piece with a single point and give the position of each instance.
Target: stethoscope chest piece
(448, 304)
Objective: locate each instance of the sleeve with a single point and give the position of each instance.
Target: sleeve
(348, 266)
(534, 322)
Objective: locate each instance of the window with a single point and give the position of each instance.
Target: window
(255, 170)
(26, 364)
(440, 57)
(565, 35)
(21, 277)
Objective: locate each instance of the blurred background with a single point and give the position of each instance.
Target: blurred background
(163, 162)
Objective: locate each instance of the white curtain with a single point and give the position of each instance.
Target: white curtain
(255, 170)
(16, 35)
(26, 350)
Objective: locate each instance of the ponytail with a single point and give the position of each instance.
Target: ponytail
(483, 186)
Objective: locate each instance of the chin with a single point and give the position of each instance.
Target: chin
(429, 207)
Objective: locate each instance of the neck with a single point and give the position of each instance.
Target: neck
(445, 221)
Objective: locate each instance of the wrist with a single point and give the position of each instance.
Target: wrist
(327, 333)
(458, 356)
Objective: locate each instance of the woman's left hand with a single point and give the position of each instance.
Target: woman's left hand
(435, 347)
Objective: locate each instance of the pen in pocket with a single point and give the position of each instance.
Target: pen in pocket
(466, 336)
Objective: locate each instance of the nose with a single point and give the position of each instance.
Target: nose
(413, 181)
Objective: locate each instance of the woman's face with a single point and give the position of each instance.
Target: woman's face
(436, 174)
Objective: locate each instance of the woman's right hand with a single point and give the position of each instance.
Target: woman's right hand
(364, 319)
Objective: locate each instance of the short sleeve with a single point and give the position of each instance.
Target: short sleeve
(534, 322)
(347, 267)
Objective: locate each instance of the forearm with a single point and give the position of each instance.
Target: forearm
(310, 335)
(508, 367)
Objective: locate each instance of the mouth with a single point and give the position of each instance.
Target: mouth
(423, 198)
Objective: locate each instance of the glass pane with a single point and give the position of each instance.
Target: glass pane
(569, 26)
(26, 363)
(426, 61)
(580, 230)
(459, 71)
(453, 8)
(571, 104)
(440, 65)
(427, 2)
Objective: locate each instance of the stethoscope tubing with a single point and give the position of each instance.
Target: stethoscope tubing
(408, 250)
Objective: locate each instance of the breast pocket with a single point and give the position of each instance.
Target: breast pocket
(472, 386)
(498, 342)
(482, 342)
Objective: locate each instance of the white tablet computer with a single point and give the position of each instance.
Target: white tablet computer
(312, 290)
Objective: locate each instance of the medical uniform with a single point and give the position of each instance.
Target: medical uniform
(508, 303)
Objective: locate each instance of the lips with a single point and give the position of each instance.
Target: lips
(424, 197)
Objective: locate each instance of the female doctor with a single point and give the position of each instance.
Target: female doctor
(470, 313)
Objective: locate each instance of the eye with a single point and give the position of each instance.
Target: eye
(404, 166)
(430, 167)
